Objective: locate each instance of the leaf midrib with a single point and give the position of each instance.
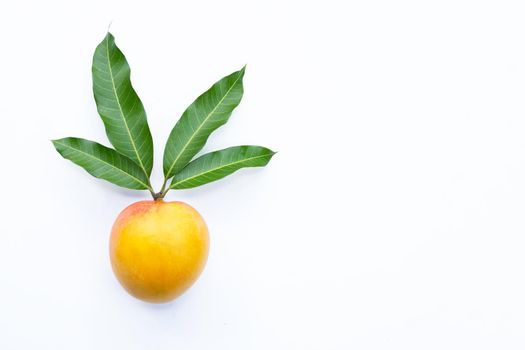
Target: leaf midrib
(218, 168)
(102, 161)
(203, 122)
(120, 109)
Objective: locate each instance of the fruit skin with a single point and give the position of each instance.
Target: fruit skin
(158, 249)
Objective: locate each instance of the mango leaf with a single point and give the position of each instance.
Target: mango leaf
(102, 162)
(208, 112)
(216, 165)
(119, 106)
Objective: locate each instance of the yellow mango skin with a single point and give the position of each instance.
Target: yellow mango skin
(158, 249)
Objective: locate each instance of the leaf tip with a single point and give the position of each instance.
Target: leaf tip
(242, 70)
(272, 152)
(56, 143)
(108, 37)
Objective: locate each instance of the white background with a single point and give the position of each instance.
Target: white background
(391, 218)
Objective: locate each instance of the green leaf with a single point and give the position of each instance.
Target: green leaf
(102, 162)
(119, 106)
(208, 112)
(216, 165)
